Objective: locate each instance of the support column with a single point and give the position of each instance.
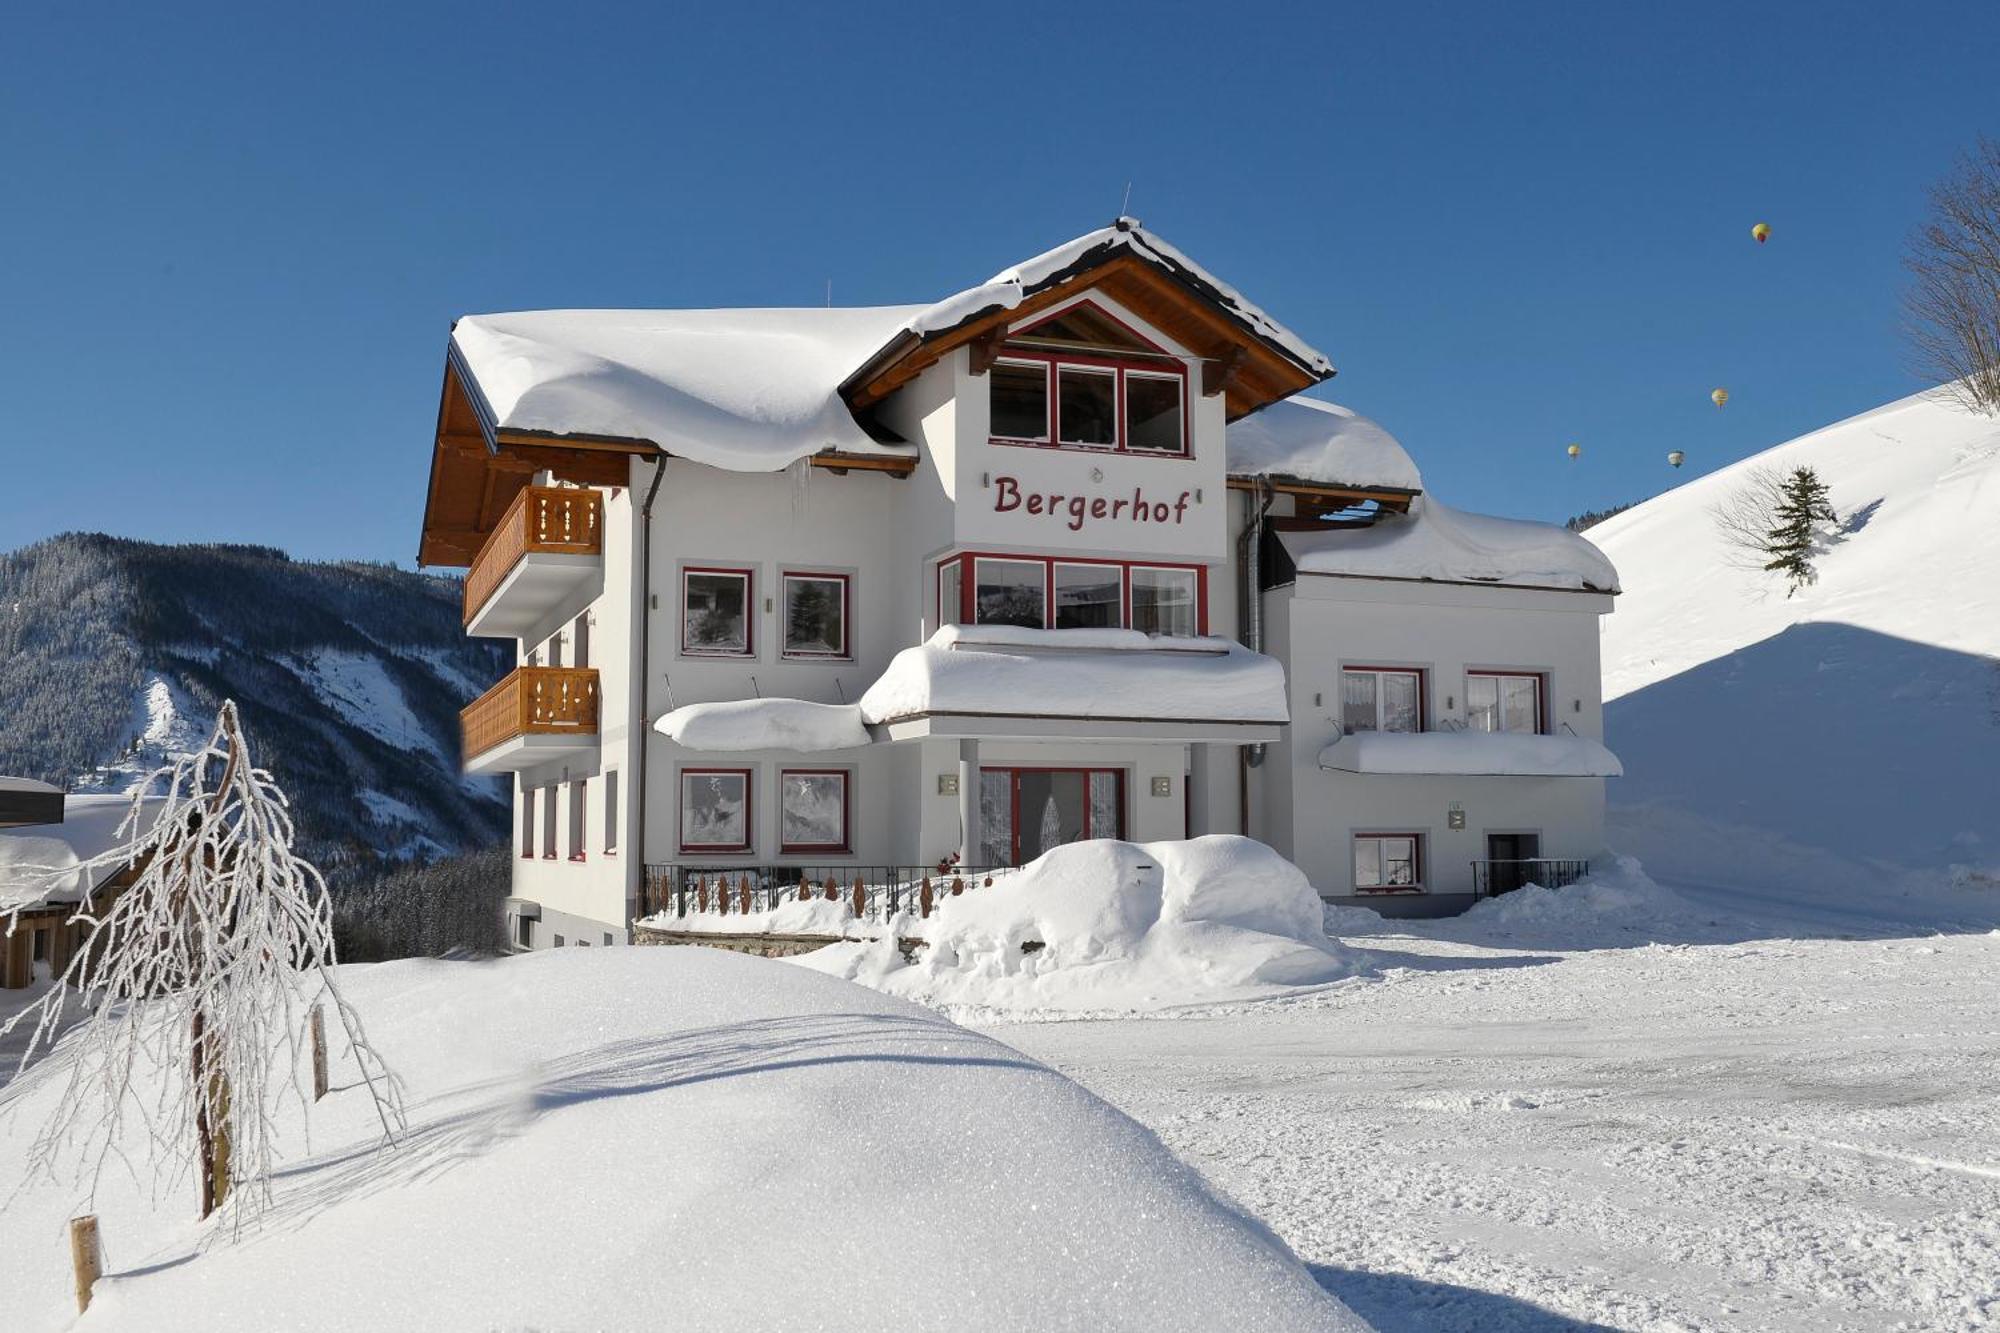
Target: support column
(970, 834)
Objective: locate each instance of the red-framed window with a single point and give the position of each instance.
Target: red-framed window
(1388, 863)
(611, 812)
(718, 611)
(815, 615)
(1065, 592)
(1512, 701)
(1029, 810)
(528, 798)
(1122, 395)
(578, 803)
(717, 809)
(815, 806)
(549, 822)
(1382, 698)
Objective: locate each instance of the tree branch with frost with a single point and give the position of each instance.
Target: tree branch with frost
(193, 988)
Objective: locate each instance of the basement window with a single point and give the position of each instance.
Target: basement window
(1388, 862)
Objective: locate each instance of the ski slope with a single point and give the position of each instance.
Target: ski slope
(1844, 736)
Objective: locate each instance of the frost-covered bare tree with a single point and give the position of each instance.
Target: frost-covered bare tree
(195, 987)
(1745, 516)
(1952, 308)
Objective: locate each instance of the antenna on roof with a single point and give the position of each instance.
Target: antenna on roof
(1125, 207)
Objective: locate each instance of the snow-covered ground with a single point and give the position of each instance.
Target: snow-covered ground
(1530, 1120)
(674, 1138)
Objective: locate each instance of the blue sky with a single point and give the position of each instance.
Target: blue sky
(235, 238)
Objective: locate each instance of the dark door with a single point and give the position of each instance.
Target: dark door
(1507, 855)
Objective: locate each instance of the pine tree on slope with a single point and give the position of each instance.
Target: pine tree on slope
(1801, 518)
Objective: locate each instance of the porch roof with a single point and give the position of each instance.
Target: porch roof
(1470, 754)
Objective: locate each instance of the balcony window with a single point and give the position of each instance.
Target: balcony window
(1153, 412)
(1011, 592)
(1388, 862)
(1164, 601)
(1087, 406)
(549, 822)
(1019, 394)
(611, 812)
(951, 593)
(815, 607)
(814, 808)
(1503, 701)
(715, 810)
(1375, 699)
(527, 822)
(577, 805)
(1089, 596)
(715, 612)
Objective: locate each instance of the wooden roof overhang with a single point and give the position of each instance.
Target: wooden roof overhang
(1249, 369)
(1323, 494)
(478, 469)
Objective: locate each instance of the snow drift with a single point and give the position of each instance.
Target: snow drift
(1311, 439)
(1106, 925)
(678, 1138)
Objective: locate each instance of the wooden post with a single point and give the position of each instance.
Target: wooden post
(319, 1052)
(957, 886)
(924, 899)
(743, 894)
(832, 891)
(860, 899)
(86, 1257)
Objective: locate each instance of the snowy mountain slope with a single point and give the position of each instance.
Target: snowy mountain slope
(1854, 724)
(114, 655)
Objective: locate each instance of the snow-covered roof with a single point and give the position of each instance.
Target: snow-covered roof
(1433, 541)
(765, 724)
(1471, 754)
(1105, 674)
(744, 390)
(1310, 439)
(46, 862)
(1007, 289)
(28, 785)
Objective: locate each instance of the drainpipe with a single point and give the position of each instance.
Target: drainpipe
(1249, 553)
(644, 629)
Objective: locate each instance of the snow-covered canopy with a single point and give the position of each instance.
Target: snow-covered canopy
(1435, 541)
(745, 390)
(1310, 439)
(1006, 290)
(1471, 754)
(1109, 674)
(46, 862)
(765, 724)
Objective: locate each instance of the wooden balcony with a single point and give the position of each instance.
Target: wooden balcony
(546, 553)
(537, 715)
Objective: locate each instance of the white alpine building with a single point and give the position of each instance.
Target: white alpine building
(844, 592)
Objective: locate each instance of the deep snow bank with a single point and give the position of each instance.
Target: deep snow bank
(1113, 926)
(677, 1138)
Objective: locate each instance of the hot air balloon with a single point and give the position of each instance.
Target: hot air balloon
(1719, 397)
(1575, 452)
(1676, 457)
(1762, 231)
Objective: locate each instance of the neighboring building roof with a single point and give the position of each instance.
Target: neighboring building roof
(1434, 542)
(26, 801)
(48, 863)
(1311, 440)
(1123, 675)
(1471, 754)
(743, 390)
(765, 724)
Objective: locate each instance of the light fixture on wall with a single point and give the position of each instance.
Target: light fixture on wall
(985, 480)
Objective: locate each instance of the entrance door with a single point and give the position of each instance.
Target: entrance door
(1024, 812)
(1506, 853)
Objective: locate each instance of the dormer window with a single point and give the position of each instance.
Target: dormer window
(1082, 380)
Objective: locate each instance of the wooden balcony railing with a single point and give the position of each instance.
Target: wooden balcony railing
(561, 520)
(531, 701)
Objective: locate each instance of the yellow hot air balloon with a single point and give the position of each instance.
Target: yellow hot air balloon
(1676, 457)
(1719, 397)
(1575, 451)
(1762, 231)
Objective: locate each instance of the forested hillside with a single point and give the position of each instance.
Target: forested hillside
(115, 653)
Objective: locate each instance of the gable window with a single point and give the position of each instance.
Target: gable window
(1163, 600)
(1019, 393)
(813, 810)
(1010, 592)
(815, 607)
(611, 812)
(1388, 862)
(715, 612)
(1153, 412)
(549, 822)
(1503, 701)
(577, 804)
(1087, 405)
(1089, 597)
(1381, 699)
(715, 810)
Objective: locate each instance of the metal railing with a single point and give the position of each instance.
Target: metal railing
(1491, 877)
(873, 893)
